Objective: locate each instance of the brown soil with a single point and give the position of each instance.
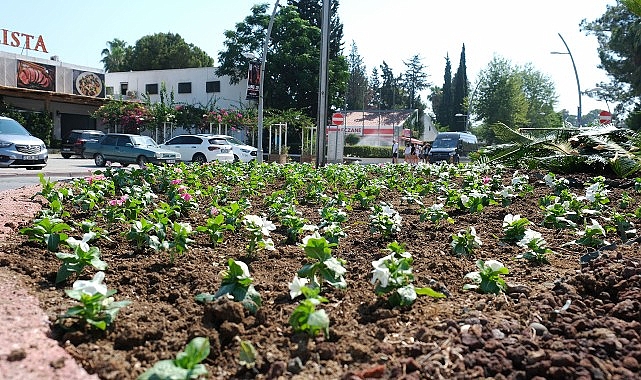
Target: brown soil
(521, 334)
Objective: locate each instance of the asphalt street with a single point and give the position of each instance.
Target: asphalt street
(57, 169)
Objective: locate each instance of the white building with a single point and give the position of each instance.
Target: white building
(195, 86)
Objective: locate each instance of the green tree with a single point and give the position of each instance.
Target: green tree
(116, 55)
(291, 74)
(617, 32)
(167, 51)
(375, 89)
(414, 80)
(541, 96)
(358, 94)
(459, 95)
(444, 112)
(391, 93)
(500, 98)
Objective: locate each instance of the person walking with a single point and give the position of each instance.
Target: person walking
(408, 153)
(395, 152)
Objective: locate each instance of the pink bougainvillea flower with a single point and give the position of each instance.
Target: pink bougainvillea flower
(178, 170)
(186, 196)
(182, 189)
(486, 180)
(176, 181)
(214, 211)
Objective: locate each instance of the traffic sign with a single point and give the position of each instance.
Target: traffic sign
(605, 117)
(338, 119)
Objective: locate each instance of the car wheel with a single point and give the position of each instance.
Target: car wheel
(142, 161)
(66, 155)
(199, 158)
(236, 158)
(99, 159)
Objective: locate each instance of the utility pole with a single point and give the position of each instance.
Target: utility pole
(322, 87)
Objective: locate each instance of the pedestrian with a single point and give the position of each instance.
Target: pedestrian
(413, 159)
(395, 152)
(408, 153)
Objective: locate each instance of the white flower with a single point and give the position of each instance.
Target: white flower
(549, 179)
(436, 207)
(474, 276)
(381, 274)
(528, 237)
(309, 227)
(92, 286)
(269, 244)
(267, 226)
(509, 219)
(494, 265)
(243, 267)
(477, 240)
(465, 199)
(335, 266)
(315, 235)
(296, 285)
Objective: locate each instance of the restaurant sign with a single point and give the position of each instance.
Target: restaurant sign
(18, 39)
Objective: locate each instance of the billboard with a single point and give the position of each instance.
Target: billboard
(36, 76)
(253, 81)
(87, 83)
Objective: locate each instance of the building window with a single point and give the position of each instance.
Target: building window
(109, 90)
(151, 88)
(124, 86)
(184, 88)
(213, 86)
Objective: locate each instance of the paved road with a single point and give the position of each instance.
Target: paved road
(57, 169)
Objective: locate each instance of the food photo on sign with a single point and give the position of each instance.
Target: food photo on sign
(87, 83)
(36, 76)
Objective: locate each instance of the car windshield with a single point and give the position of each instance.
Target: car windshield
(144, 141)
(12, 127)
(234, 141)
(445, 143)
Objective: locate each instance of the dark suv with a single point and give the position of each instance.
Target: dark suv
(75, 141)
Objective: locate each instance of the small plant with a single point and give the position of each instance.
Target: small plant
(83, 255)
(215, 228)
(140, 232)
(465, 242)
(474, 201)
(331, 214)
(514, 228)
(296, 226)
(181, 239)
(557, 184)
(306, 318)
(385, 221)
(185, 366)
(535, 245)
(590, 236)
(393, 274)
(488, 278)
(435, 213)
(333, 233)
(237, 284)
(48, 231)
(597, 194)
(247, 355)
(98, 308)
(625, 200)
(324, 265)
(258, 228)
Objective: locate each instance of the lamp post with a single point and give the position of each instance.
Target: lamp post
(464, 120)
(261, 80)
(576, 74)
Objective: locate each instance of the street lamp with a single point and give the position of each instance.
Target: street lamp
(464, 120)
(576, 74)
(261, 80)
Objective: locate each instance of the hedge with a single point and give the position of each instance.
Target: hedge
(368, 151)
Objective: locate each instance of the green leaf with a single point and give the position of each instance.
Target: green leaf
(429, 292)
(196, 351)
(248, 354)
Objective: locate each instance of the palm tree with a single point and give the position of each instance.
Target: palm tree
(115, 55)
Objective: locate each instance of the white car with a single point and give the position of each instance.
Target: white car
(242, 152)
(18, 148)
(200, 148)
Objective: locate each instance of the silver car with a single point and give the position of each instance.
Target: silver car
(18, 148)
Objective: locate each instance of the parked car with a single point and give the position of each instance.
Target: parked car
(201, 149)
(450, 146)
(128, 149)
(242, 152)
(18, 148)
(74, 142)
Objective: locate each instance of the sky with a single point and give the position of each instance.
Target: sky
(393, 31)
